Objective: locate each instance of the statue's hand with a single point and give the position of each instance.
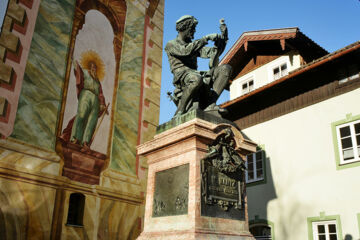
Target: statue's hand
(212, 37)
(207, 80)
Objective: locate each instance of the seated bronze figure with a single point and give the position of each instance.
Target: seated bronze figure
(197, 89)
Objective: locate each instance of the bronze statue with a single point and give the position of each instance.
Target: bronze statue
(197, 89)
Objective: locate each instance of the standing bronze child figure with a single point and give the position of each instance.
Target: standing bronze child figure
(195, 89)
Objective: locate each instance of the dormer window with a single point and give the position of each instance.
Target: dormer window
(280, 71)
(247, 86)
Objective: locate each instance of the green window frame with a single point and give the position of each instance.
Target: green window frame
(358, 219)
(349, 122)
(325, 220)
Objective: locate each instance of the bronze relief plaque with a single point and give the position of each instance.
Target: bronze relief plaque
(222, 179)
(171, 192)
(221, 194)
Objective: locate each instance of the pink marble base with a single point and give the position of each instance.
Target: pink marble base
(187, 143)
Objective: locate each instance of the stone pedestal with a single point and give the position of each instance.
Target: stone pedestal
(174, 193)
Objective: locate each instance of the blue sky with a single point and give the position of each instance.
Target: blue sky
(3, 6)
(333, 24)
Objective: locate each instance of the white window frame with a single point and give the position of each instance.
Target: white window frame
(326, 224)
(277, 63)
(246, 81)
(256, 178)
(280, 71)
(353, 140)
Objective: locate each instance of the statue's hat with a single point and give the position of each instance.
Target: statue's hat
(184, 18)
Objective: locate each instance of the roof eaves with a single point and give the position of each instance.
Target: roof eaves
(258, 32)
(307, 67)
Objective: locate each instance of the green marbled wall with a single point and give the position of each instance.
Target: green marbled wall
(123, 154)
(42, 87)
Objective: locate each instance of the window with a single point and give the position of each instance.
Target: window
(346, 142)
(324, 227)
(247, 86)
(324, 230)
(76, 209)
(348, 137)
(349, 73)
(255, 166)
(261, 232)
(352, 77)
(280, 71)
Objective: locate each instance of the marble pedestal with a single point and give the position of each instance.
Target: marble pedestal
(181, 145)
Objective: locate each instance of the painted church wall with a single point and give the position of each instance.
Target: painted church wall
(32, 158)
(39, 109)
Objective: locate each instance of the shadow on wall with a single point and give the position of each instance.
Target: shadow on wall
(264, 190)
(261, 191)
(277, 200)
(291, 216)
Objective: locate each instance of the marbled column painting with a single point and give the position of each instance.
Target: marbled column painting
(123, 151)
(42, 87)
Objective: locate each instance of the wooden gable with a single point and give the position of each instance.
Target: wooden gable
(256, 62)
(256, 48)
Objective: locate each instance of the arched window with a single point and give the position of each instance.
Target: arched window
(261, 231)
(76, 209)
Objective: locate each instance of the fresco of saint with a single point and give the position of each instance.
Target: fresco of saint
(91, 101)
